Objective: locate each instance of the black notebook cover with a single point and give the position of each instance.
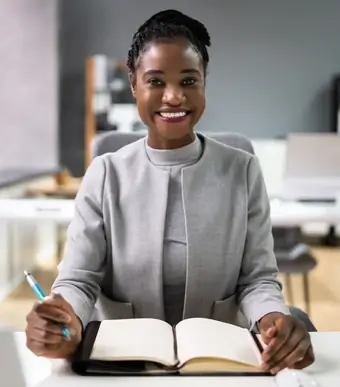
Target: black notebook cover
(81, 363)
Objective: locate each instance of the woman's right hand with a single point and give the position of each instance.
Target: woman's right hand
(44, 335)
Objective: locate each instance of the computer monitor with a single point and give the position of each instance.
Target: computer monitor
(312, 169)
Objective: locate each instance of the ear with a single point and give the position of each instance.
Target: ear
(132, 84)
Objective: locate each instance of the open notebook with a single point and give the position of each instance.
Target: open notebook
(153, 347)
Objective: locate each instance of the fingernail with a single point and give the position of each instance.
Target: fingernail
(275, 370)
(72, 332)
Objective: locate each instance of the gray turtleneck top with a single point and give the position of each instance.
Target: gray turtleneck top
(175, 239)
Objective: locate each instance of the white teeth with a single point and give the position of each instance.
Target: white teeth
(173, 115)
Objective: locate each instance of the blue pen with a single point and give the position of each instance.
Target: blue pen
(41, 295)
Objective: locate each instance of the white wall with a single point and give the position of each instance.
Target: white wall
(29, 83)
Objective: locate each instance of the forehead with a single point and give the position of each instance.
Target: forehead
(170, 56)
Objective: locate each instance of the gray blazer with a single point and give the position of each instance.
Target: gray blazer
(112, 265)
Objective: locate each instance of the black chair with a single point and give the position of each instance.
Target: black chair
(112, 141)
(302, 316)
(293, 257)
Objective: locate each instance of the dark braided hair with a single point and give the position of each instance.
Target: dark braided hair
(169, 24)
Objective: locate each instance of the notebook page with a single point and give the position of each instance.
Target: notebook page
(134, 339)
(199, 337)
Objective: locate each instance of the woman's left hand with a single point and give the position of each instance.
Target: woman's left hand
(288, 343)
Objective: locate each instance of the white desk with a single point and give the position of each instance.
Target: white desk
(55, 210)
(285, 213)
(59, 212)
(62, 211)
(55, 373)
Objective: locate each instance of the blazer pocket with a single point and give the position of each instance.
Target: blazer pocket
(108, 309)
(228, 311)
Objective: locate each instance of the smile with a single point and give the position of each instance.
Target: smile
(173, 115)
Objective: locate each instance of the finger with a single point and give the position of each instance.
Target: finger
(45, 337)
(56, 328)
(298, 354)
(43, 349)
(284, 330)
(58, 300)
(52, 312)
(268, 334)
(35, 321)
(290, 344)
(307, 360)
(48, 326)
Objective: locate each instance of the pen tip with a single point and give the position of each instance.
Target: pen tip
(26, 273)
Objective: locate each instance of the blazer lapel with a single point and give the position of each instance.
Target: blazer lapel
(144, 199)
(206, 227)
(147, 293)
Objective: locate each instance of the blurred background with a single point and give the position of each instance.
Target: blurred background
(274, 77)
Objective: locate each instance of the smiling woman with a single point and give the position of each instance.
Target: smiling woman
(175, 225)
(168, 60)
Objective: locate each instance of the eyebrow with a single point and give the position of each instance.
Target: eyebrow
(160, 72)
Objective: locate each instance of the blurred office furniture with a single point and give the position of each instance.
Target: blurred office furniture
(283, 214)
(44, 213)
(303, 316)
(292, 258)
(15, 181)
(43, 210)
(312, 170)
(113, 141)
(110, 104)
(64, 186)
(18, 240)
(335, 105)
(312, 167)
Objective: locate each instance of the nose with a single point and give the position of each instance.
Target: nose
(173, 95)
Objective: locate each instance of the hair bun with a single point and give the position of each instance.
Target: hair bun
(172, 16)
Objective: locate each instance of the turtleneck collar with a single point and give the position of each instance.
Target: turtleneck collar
(171, 157)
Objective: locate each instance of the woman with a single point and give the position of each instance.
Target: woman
(175, 225)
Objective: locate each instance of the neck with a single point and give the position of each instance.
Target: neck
(158, 142)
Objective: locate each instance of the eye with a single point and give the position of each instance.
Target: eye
(188, 81)
(155, 82)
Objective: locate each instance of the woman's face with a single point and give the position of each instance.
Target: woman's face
(169, 87)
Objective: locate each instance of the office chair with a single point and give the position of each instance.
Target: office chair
(288, 256)
(112, 141)
(293, 257)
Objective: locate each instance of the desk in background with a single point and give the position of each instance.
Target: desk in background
(17, 239)
(53, 215)
(62, 211)
(46, 219)
(15, 181)
(55, 373)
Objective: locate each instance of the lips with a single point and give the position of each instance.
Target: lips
(173, 114)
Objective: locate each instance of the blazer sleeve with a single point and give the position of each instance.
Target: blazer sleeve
(82, 268)
(259, 291)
